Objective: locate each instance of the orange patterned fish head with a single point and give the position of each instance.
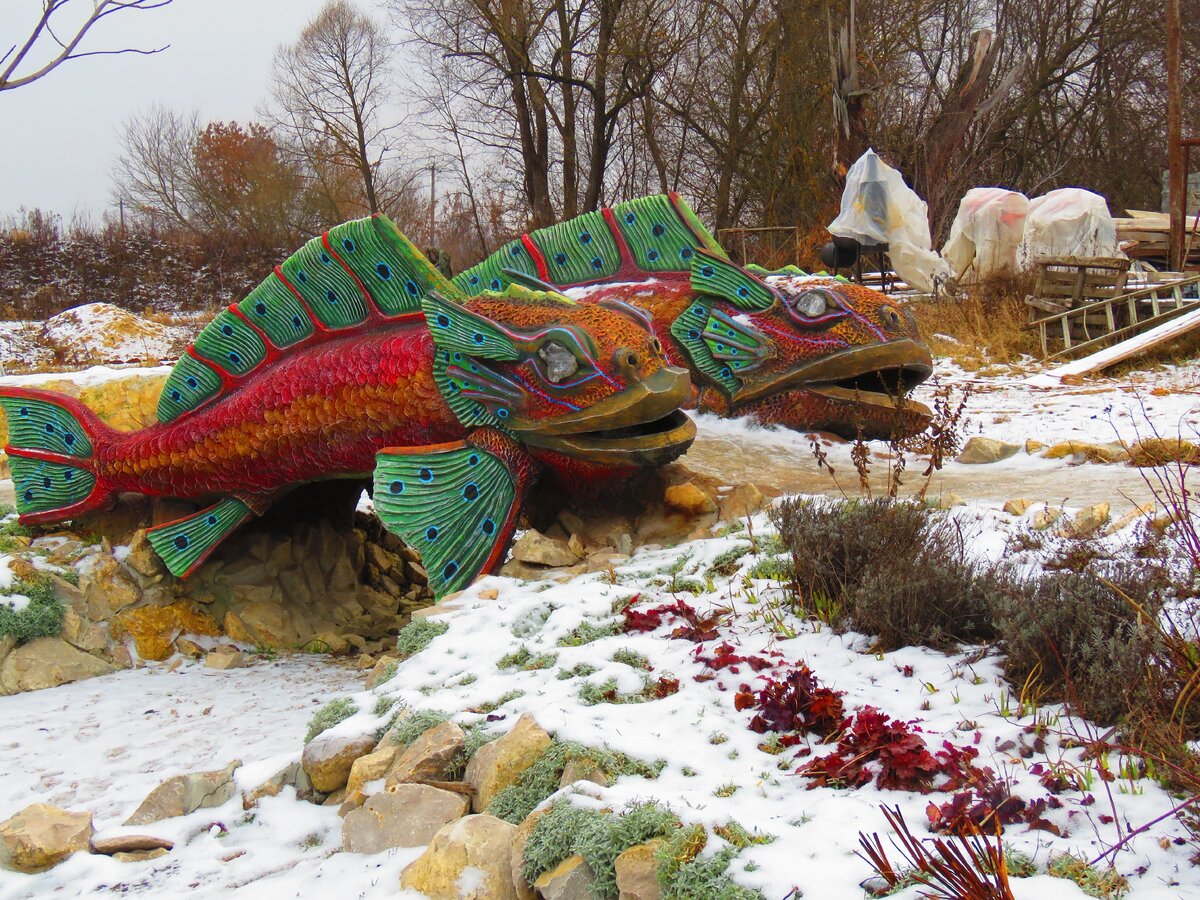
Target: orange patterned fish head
(581, 380)
(842, 355)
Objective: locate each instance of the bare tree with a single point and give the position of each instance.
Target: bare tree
(155, 173)
(48, 45)
(330, 91)
(220, 178)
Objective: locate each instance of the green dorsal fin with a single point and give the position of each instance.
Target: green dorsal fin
(721, 278)
(185, 543)
(456, 504)
(344, 280)
(662, 235)
(455, 328)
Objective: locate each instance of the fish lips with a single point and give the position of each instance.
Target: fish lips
(641, 426)
(848, 375)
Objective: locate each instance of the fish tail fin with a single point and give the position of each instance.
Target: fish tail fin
(52, 442)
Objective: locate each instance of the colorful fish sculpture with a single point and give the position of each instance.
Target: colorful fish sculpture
(356, 356)
(808, 353)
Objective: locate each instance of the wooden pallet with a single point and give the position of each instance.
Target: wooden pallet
(1087, 327)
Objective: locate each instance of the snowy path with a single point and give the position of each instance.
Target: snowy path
(102, 745)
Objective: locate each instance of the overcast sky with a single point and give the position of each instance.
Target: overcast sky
(58, 136)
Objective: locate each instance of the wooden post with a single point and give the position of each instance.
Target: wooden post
(1177, 189)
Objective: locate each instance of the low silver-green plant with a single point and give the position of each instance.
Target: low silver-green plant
(330, 714)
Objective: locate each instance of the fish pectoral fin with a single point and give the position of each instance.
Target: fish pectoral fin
(456, 504)
(187, 542)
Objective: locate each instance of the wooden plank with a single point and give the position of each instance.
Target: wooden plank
(1133, 346)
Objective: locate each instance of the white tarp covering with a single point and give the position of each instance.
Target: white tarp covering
(879, 208)
(1068, 222)
(986, 233)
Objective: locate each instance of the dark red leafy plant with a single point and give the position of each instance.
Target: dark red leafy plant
(875, 747)
(797, 703)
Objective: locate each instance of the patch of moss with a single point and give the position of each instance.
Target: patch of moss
(541, 779)
(1107, 884)
(42, 616)
(598, 837)
(684, 875)
(416, 636)
(580, 671)
(726, 564)
(527, 661)
(586, 632)
(632, 658)
(330, 714)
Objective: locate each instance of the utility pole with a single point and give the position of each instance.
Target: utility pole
(433, 187)
(1176, 190)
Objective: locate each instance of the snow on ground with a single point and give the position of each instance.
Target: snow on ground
(102, 744)
(89, 377)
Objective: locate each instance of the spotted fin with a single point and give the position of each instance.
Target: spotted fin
(456, 504)
(187, 542)
(693, 330)
(633, 240)
(355, 275)
(52, 439)
(721, 278)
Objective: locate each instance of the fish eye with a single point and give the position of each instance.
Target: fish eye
(560, 362)
(811, 304)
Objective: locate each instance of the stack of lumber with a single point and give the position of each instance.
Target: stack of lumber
(1150, 233)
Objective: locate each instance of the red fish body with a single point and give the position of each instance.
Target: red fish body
(367, 392)
(356, 357)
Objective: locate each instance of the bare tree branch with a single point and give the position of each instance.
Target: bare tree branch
(68, 49)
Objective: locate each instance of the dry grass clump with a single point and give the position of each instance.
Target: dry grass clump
(891, 569)
(987, 324)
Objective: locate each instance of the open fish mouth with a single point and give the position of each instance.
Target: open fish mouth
(641, 426)
(861, 392)
(875, 375)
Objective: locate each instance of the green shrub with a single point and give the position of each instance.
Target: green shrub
(632, 658)
(408, 729)
(580, 671)
(598, 837)
(1107, 884)
(330, 714)
(891, 569)
(730, 561)
(42, 616)
(684, 875)
(416, 636)
(541, 779)
(1077, 638)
